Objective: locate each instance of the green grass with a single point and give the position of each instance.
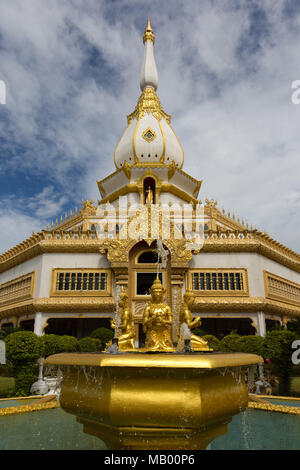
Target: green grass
(6, 384)
(295, 384)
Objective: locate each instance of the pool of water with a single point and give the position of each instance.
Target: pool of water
(261, 430)
(17, 402)
(54, 429)
(45, 430)
(280, 401)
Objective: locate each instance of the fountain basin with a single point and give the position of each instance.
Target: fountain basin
(154, 401)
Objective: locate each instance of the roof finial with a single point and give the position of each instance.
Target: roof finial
(148, 34)
(149, 77)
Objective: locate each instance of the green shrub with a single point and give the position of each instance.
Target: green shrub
(52, 345)
(3, 334)
(250, 344)
(23, 348)
(104, 335)
(25, 375)
(212, 342)
(55, 344)
(68, 343)
(6, 370)
(294, 325)
(278, 348)
(230, 342)
(8, 330)
(89, 344)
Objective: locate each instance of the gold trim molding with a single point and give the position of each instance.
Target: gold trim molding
(12, 410)
(291, 410)
(83, 242)
(216, 305)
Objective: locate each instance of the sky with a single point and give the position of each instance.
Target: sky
(226, 68)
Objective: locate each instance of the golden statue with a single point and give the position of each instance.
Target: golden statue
(185, 316)
(127, 334)
(157, 321)
(149, 196)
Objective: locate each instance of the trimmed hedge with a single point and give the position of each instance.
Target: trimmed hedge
(55, 344)
(104, 335)
(230, 343)
(277, 347)
(250, 344)
(212, 342)
(52, 345)
(89, 344)
(69, 343)
(23, 348)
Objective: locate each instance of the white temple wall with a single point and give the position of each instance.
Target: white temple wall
(166, 198)
(254, 262)
(67, 260)
(34, 264)
(183, 182)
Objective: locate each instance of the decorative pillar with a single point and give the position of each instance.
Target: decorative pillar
(177, 281)
(121, 277)
(261, 324)
(39, 324)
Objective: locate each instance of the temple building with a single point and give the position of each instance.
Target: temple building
(66, 279)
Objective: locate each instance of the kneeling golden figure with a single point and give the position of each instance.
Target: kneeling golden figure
(157, 322)
(127, 335)
(185, 316)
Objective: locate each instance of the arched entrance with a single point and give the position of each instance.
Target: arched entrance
(142, 271)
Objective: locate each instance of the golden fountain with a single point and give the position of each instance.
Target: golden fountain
(156, 397)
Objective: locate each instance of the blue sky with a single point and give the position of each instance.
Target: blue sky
(225, 70)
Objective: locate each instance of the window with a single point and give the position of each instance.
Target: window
(144, 282)
(148, 257)
(278, 288)
(18, 289)
(78, 282)
(219, 281)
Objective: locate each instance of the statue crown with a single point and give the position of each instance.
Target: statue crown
(157, 285)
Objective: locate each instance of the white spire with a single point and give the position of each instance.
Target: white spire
(149, 77)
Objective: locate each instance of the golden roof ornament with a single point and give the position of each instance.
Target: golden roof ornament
(88, 206)
(148, 34)
(149, 103)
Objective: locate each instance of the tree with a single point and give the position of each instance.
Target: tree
(277, 347)
(23, 348)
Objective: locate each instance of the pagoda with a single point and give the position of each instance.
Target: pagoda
(148, 222)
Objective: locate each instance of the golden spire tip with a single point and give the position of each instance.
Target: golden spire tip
(148, 34)
(148, 28)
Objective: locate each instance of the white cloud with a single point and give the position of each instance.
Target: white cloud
(230, 103)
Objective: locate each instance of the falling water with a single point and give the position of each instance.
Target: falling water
(117, 315)
(176, 314)
(185, 334)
